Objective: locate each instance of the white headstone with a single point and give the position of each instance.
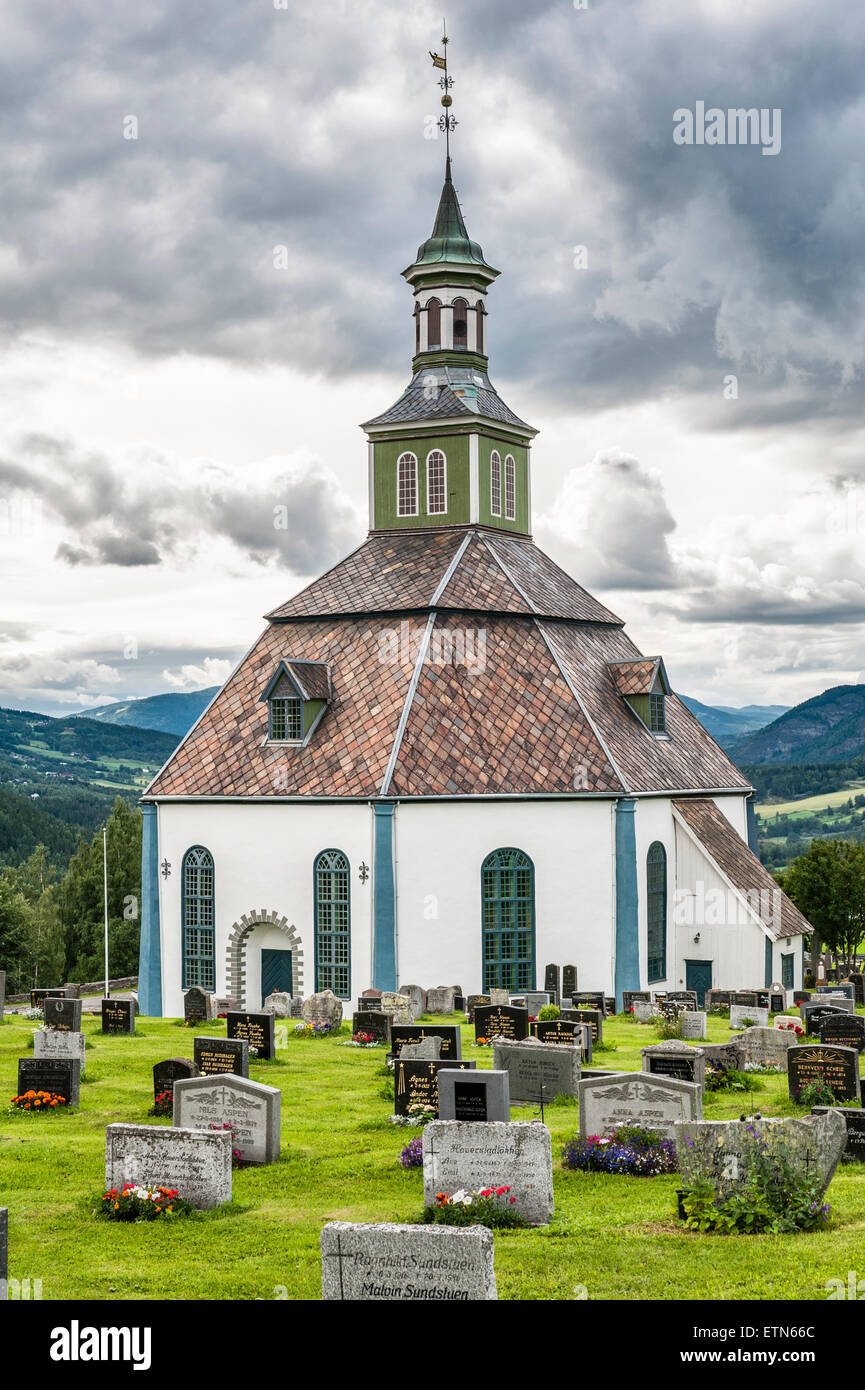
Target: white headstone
(252, 1110)
(197, 1162)
(387, 1263)
(469, 1156)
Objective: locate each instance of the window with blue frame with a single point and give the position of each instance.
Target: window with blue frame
(332, 923)
(656, 911)
(787, 963)
(198, 919)
(508, 916)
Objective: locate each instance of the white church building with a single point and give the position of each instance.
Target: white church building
(444, 760)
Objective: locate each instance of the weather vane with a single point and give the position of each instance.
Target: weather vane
(447, 122)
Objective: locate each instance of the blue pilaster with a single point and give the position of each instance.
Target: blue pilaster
(150, 950)
(627, 916)
(383, 898)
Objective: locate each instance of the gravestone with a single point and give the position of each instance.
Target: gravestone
(553, 983)
(449, 1033)
(723, 997)
(440, 1000)
(692, 1024)
(569, 981)
(196, 1162)
(675, 1058)
(535, 1000)
(813, 1014)
(371, 994)
(593, 1017)
(118, 1016)
(590, 999)
(279, 1004)
(213, 1056)
(483, 1096)
(685, 996)
(746, 1015)
(223, 1006)
(777, 1001)
(369, 1004)
(424, 1050)
(472, 1003)
(258, 1029)
(59, 1075)
(531, 1065)
(252, 1110)
(845, 1030)
(172, 1069)
(459, 1003)
(501, 1021)
(38, 996)
(801, 996)
(766, 1044)
(856, 980)
(558, 1030)
(416, 1083)
(725, 1149)
(62, 1014)
(397, 1005)
(630, 996)
(723, 1057)
(637, 1098)
(644, 1010)
(854, 1149)
(54, 1043)
(517, 1154)
(372, 1021)
(499, 996)
(197, 1005)
(843, 987)
(4, 1252)
(837, 1066)
(789, 1021)
(746, 998)
(385, 1262)
(323, 1007)
(416, 999)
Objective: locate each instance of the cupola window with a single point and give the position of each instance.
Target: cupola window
(436, 483)
(461, 323)
(479, 315)
(510, 489)
(434, 323)
(495, 484)
(406, 485)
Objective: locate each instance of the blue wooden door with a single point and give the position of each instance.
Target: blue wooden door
(698, 977)
(275, 973)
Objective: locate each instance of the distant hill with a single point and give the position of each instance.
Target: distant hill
(23, 826)
(828, 728)
(728, 725)
(174, 714)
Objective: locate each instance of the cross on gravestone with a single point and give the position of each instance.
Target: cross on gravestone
(337, 1254)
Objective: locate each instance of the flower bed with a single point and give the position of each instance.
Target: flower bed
(360, 1039)
(315, 1030)
(630, 1150)
(163, 1104)
(134, 1203)
(39, 1100)
(775, 1191)
(489, 1206)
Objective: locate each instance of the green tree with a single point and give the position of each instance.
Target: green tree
(81, 900)
(35, 880)
(14, 915)
(827, 884)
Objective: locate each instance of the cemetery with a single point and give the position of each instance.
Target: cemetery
(301, 1166)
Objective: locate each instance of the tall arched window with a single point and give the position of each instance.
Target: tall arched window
(406, 485)
(495, 483)
(508, 912)
(436, 483)
(461, 323)
(479, 315)
(197, 918)
(434, 323)
(510, 489)
(656, 911)
(332, 923)
(417, 328)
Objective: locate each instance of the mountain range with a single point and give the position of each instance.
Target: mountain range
(830, 728)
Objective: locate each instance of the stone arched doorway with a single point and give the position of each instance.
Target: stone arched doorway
(235, 962)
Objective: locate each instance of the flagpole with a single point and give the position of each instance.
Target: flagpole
(105, 897)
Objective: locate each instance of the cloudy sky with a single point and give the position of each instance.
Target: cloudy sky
(205, 209)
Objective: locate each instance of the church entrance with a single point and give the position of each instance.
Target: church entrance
(275, 972)
(698, 977)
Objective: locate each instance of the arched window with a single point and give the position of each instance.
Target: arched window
(197, 918)
(508, 910)
(495, 483)
(417, 328)
(510, 489)
(332, 923)
(436, 482)
(479, 314)
(656, 911)
(406, 485)
(434, 323)
(461, 323)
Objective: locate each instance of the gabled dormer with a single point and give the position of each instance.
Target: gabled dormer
(297, 697)
(643, 685)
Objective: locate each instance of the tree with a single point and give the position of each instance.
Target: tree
(13, 933)
(35, 880)
(827, 884)
(81, 905)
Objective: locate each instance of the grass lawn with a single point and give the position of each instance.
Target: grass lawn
(616, 1236)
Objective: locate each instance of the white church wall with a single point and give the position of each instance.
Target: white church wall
(729, 936)
(263, 860)
(440, 848)
(735, 810)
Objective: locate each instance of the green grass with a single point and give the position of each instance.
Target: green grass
(809, 804)
(616, 1236)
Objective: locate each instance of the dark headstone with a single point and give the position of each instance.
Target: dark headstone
(801, 996)
(746, 997)
(60, 1075)
(216, 1055)
(472, 1003)
(118, 1016)
(4, 1252)
(591, 999)
(459, 1003)
(687, 996)
(857, 981)
(552, 983)
(37, 996)
(845, 987)
(197, 1005)
(557, 1030)
(418, 1082)
(813, 1015)
(844, 1030)
(837, 1066)
(777, 1003)
(723, 1057)
(629, 995)
(718, 996)
(677, 1064)
(369, 1003)
(258, 1029)
(470, 1100)
(172, 1069)
(401, 1033)
(854, 1151)
(501, 1021)
(594, 1018)
(610, 1005)
(62, 1014)
(762, 998)
(373, 1022)
(569, 981)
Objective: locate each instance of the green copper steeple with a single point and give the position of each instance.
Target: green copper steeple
(450, 242)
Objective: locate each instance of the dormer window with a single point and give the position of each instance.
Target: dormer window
(643, 685)
(297, 698)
